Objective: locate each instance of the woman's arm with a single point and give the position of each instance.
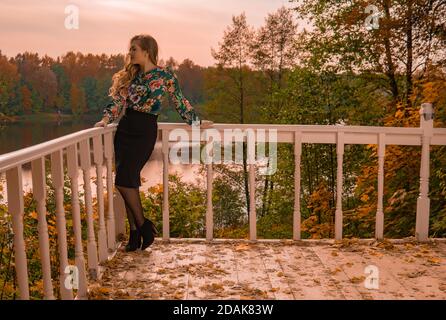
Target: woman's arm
(182, 105)
(112, 110)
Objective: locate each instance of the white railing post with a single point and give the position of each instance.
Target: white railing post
(57, 177)
(165, 152)
(113, 226)
(423, 201)
(15, 208)
(251, 139)
(209, 181)
(92, 249)
(297, 160)
(73, 173)
(39, 194)
(339, 182)
(379, 224)
(98, 161)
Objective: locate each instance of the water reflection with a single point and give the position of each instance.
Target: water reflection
(18, 135)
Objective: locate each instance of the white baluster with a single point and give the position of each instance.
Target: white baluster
(73, 173)
(423, 201)
(112, 231)
(165, 151)
(339, 180)
(98, 161)
(57, 177)
(15, 207)
(297, 159)
(209, 209)
(92, 250)
(252, 184)
(39, 194)
(379, 228)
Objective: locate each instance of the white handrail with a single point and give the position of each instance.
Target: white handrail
(310, 134)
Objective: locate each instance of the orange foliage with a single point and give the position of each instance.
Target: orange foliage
(320, 223)
(402, 163)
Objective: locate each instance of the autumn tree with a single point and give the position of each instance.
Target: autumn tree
(232, 56)
(401, 172)
(410, 36)
(63, 85)
(191, 78)
(275, 47)
(171, 63)
(8, 80)
(26, 101)
(44, 81)
(274, 51)
(37, 75)
(77, 100)
(103, 84)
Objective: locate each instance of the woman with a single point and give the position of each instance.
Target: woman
(137, 91)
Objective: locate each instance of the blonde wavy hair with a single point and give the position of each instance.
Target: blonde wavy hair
(121, 80)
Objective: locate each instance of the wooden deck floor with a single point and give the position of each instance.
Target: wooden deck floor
(274, 270)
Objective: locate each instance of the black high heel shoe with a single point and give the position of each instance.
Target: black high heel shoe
(134, 241)
(147, 232)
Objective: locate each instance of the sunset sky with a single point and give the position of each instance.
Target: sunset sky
(183, 28)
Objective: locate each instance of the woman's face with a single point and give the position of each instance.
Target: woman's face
(137, 55)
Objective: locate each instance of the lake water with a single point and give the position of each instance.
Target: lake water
(19, 135)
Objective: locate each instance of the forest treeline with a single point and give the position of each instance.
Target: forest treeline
(75, 83)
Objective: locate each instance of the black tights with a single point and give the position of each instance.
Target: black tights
(133, 206)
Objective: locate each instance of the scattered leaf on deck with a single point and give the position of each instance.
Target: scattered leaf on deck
(357, 279)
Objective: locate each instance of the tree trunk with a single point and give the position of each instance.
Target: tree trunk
(409, 47)
(390, 68)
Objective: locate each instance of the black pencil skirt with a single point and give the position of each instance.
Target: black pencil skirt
(134, 141)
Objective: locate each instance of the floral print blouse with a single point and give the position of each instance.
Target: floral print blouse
(146, 92)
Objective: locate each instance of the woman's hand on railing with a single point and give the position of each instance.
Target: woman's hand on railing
(102, 123)
(205, 124)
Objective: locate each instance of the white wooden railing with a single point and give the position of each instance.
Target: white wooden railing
(76, 148)
(72, 146)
